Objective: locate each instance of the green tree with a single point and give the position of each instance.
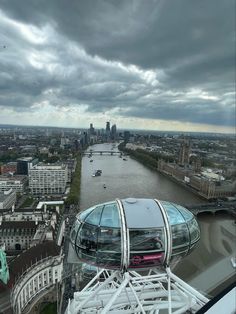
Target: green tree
(73, 197)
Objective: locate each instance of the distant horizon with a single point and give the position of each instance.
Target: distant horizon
(100, 128)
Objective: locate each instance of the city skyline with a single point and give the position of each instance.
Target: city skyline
(157, 65)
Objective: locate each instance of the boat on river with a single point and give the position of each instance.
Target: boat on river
(97, 173)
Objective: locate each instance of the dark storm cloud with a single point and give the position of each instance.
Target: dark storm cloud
(155, 33)
(188, 113)
(174, 46)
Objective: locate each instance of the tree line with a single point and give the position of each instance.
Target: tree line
(147, 158)
(74, 195)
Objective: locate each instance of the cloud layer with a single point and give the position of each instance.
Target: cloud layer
(126, 61)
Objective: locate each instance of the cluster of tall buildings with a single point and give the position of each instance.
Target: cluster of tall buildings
(109, 133)
(93, 136)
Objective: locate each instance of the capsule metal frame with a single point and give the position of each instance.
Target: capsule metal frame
(155, 242)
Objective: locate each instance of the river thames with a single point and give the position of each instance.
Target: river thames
(209, 264)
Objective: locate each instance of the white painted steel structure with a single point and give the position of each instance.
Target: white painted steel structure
(131, 235)
(130, 292)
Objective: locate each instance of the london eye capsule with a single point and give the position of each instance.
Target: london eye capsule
(134, 234)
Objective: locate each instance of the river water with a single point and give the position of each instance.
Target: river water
(209, 264)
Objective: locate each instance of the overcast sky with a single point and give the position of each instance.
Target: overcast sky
(146, 64)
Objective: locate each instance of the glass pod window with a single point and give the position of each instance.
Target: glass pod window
(146, 247)
(173, 214)
(185, 213)
(86, 242)
(109, 247)
(74, 231)
(87, 237)
(143, 240)
(85, 213)
(109, 237)
(194, 230)
(110, 216)
(94, 217)
(99, 238)
(180, 239)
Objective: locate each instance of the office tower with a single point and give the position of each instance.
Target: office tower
(108, 128)
(24, 164)
(91, 129)
(113, 132)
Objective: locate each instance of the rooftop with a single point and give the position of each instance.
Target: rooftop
(28, 159)
(13, 178)
(29, 257)
(48, 167)
(18, 225)
(4, 196)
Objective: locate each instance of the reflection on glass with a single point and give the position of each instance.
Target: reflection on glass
(109, 239)
(87, 237)
(110, 216)
(173, 214)
(85, 255)
(194, 230)
(146, 240)
(109, 247)
(180, 235)
(74, 230)
(85, 213)
(186, 213)
(94, 217)
(109, 259)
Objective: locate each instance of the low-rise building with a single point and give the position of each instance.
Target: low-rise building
(48, 179)
(17, 235)
(10, 167)
(208, 184)
(7, 199)
(16, 183)
(35, 273)
(21, 229)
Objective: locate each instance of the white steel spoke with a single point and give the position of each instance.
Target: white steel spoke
(131, 293)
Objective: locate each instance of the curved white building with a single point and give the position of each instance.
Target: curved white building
(44, 273)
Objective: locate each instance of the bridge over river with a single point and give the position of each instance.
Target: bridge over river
(102, 152)
(229, 207)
